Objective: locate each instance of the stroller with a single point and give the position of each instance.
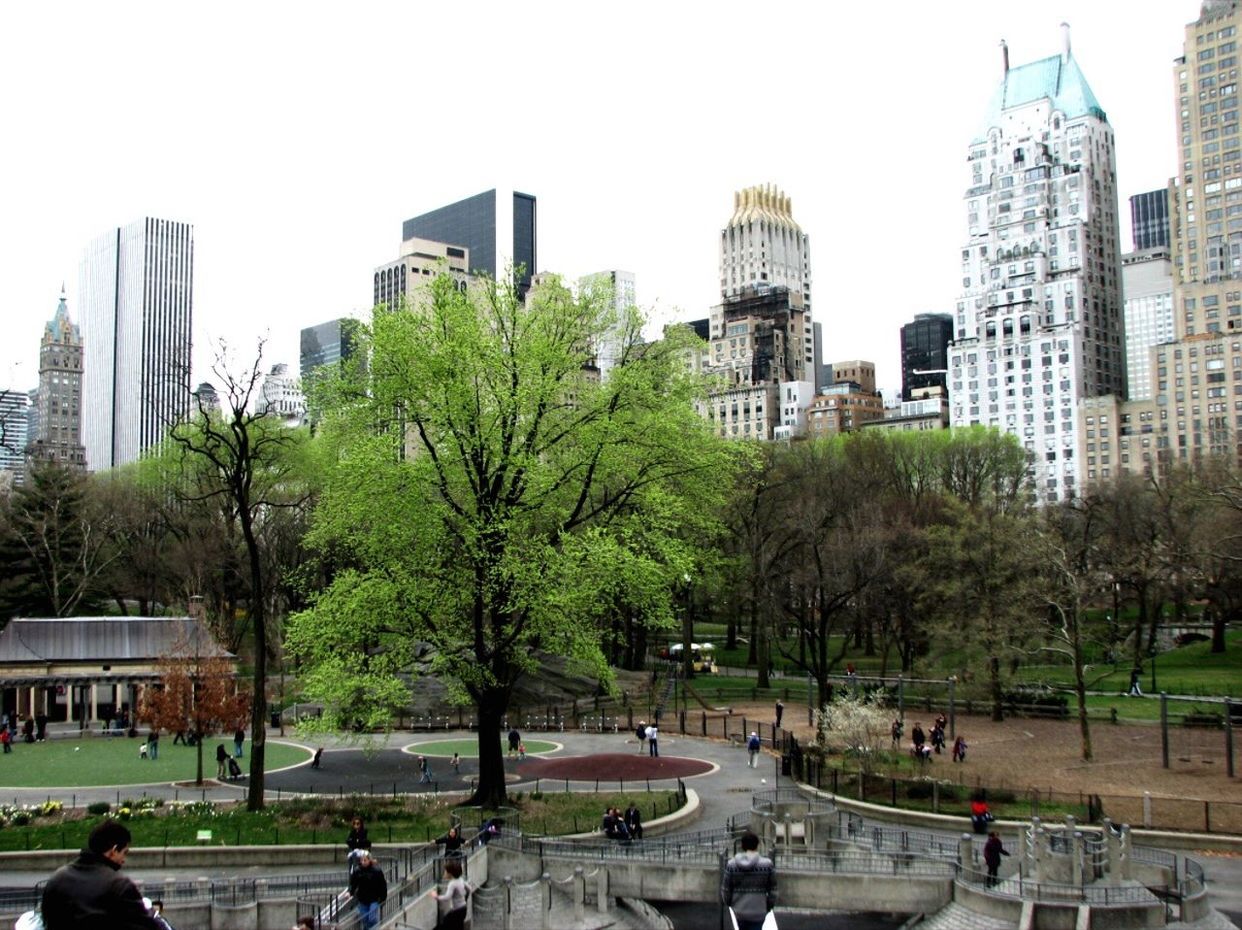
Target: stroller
(235, 771)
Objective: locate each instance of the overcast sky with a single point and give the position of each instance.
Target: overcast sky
(296, 138)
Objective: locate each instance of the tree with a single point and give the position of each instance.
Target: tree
(57, 541)
(483, 491)
(197, 693)
(246, 461)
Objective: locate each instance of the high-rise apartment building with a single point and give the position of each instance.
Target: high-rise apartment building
(1149, 220)
(1147, 282)
(280, 395)
(136, 287)
(499, 228)
(616, 289)
(14, 408)
(327, 344)
(56, 433)
(420, 261)
(1039, 326)
(925, 355)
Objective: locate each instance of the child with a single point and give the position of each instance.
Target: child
(959, 749)
(456, 763)
(521, 751)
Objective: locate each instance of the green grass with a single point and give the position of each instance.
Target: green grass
(469, 748)
(66, 763)
(404, 820)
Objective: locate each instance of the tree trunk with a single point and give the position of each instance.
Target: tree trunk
(751, 651)
(198, 740)
(258, 709)
(490, 791)
(1080, 689)
(1218, 631)
(998, 710)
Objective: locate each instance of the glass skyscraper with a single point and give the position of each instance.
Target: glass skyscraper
(136, 295)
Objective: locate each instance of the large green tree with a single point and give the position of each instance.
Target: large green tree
(488, 497)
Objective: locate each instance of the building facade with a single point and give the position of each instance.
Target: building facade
(396, 283)
(280, 395)
(925, 355)
(327, 344)
(14, 412)
(844, 406)
(1039, 324)
(56, 435)
(1147, 282)
(136, 287)
(616, 289)
(499, 228)
(1149, 220)
(930, 413)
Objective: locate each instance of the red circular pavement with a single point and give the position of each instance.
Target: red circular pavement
(613, 766)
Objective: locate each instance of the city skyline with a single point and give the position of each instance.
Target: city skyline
(272, 168)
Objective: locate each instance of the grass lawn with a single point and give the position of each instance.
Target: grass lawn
(469, 748)
(72, 763)
(404, 820)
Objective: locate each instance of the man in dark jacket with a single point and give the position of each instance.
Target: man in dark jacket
(91, 894)
(368, 887)
(748, 885)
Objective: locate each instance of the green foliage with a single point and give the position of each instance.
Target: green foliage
(489, 498)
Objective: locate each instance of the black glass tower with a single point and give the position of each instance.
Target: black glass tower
(1149, 220)
(476, 223)
(925, 348)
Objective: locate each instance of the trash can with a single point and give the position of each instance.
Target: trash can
(276, 719)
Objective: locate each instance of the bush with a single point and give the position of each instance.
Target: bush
(98, 808)
(20, 819)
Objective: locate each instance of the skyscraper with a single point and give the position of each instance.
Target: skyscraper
(326, 344)
(56, 434)
(925, 353)
(1038, 326)
(420, 261)
(498, 227)
(136, 287)
(14, 406)
(1149, 220)
(1147, 279)
(617, 290)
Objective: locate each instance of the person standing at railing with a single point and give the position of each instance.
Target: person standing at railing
(369, 888)
(993, 849)
(452, 901)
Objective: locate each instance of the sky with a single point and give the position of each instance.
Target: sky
(296, 138)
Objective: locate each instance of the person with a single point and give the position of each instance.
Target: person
(305, 923)
(424, 771)
(142, 751)
(369, 888)
(455, 762)
(235, 771)
(357, 837)
(489, 830)
(1135, 689)
(980, 816)
(28, 730)
(318, 756)
(780, 710)
(918, 737)
(641, 732)
(521, 752)
(634, 821)
(91, 892)
(959, 749)
(452, 902)
(238, 739)
(937, 737)
(653, 736)
(153, 744)
(614, 826)
(452, 842)
(514, 739)
(752, 747)
(896, 731)
(6, 739)
(222, 760)
(748, 886)
(179, 737)
(993, 849)
(41, 727)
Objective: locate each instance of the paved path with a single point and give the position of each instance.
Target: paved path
(384, 764)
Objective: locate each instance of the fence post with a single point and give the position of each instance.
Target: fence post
(1164, 729)
(952, 707)
(545, 901)
(1229, 737)
(508, 903)
(601, 889)
(579, 895)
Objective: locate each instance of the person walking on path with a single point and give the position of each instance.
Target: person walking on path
(424, 771)
(780, 710)
(959, 749)
(752, 746)
(455, 762)
(153, 744)
(748, 886)
(222, 762)
(653, 737)
(515, 738)
(641, 732)
(919, 738)
(91, 892)
(238, 739)
(1136, 689)
(452, 902)
(993, 849)
(896, 731)
(369, 888)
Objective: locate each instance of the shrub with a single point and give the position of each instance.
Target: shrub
(98, 808)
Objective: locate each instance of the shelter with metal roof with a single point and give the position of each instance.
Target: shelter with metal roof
(91, 668)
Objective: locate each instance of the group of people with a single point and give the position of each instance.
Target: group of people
(648, 738)
(517, 748)
(922, 746)
(623, 826)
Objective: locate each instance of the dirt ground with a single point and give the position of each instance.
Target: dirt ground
(1022, 755)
